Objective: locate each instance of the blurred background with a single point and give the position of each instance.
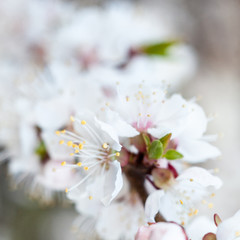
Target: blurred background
(212, 28)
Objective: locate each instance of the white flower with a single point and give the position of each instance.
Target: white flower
(161, 231)
(96, 148)
(178, 202)
(191, 142)
(230, 228)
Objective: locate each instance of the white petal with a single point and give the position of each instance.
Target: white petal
(200, 176)
(152, 205)
(230, 228)
(197, 150)
(111, 133)
(113, 183)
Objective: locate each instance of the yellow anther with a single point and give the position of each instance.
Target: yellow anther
(105, 145)
(57, 132)
(83, 142)
(139, 114)
(71, 154)
(76, 151)
(63, 163)
(117, 154)
(182, 223)
(127, 99)
(85, 168)
(191, 179)
(72, 118)
(83, 122)
(90, 197)
(210, 205)
(69, 143)
(213, 195)
(66, 190)
(80, 146)
(63, 131)
(79, 164)
(61, 142)
(74, 145)
(181, 201)
(237, 234)
(148, 115)
(195, 212)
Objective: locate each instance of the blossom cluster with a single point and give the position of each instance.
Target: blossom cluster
(88, 110)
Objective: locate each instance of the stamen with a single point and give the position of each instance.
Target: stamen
(63, 163)
(117, 154)
(83, 122)
(69, 143)
(57, 132)
(61, 142)
(105, 145)
(90, 197)
(79, 164)
(72, 119)
(181, 202)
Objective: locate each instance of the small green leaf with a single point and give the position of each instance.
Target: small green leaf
(146, 140)
(159, 49)
(172, 154)
(165, 140)
(155, 150)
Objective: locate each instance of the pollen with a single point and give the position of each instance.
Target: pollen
(79, 164)
(76, 151)
(139, 114)
(148, 115)
(195, 212)
(80, 146)
(105, 145)
(66, 190)
(83, 122)
(63, 163)
(61, 142)
(69, 143)
(127, 99)
(117, 154)
(85, 168)
(83, 142)
(57, 132)
(191, 179)
(210, 205)
(72, 119)
(182, 223)
(71, 154)
(181, 202)
(63, 131)
(90, 197)
(74, 145)
(213, 195)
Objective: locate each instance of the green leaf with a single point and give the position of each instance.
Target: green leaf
(159, 49)
(146, 140)
(155, 150)
(172, 154)
(165, 140)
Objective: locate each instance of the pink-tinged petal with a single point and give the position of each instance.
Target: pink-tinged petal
(199, 176)
(196, 150)
(161, 231)
(217, 219)
(113, 182)
(152, 205)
